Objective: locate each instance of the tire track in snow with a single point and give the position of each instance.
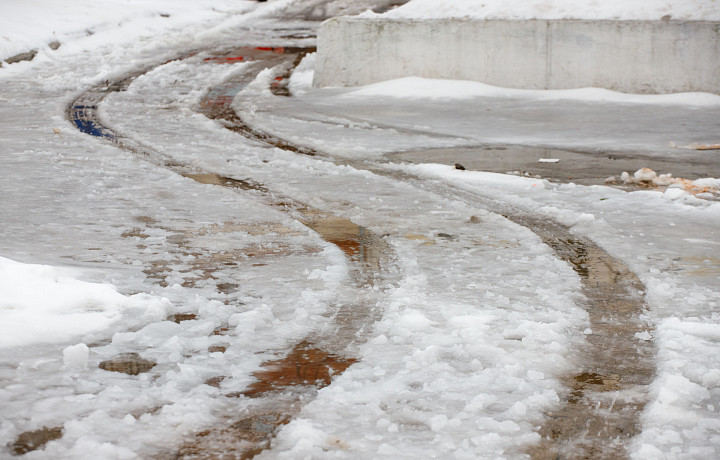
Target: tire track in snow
(282, 386)
(601, 409)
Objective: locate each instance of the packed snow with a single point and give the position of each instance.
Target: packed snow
(705, 10)
(98, 248)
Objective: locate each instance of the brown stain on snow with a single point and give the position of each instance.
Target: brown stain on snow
(600, 413)
(304, 365)
(34, 440)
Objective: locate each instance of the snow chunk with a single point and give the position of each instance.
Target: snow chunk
(44, 304)
(76, 356)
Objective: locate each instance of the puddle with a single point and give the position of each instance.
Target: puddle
(215, 179)
(241, 439)
(128, 363)
(215, 381)
(34, 440)
(587, 168)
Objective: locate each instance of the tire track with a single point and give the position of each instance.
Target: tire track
(282, 386)
(601, 408)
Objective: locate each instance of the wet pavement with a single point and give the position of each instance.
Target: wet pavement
(600, 408)
(602, 404)
(557, 165)
(311, 364)
(600, 413)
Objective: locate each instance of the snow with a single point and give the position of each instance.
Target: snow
(99, 247)
(432, 89)
(33, 24)
(706, 10)
(41, 303)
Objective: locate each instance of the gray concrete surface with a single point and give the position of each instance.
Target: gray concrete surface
(627, 56)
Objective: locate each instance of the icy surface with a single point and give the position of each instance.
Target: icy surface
(559, 9)
(479, 319)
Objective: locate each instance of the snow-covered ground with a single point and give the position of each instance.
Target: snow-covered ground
(705, 10)
(479, 320)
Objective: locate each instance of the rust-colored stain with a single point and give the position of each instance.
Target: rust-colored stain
(215, 381)
(33, 440)
(279, 388)
(305, 365)
(225, 59)
(343, 233)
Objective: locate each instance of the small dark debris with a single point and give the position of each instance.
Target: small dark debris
(128, 363)
(227, 288)
(459, 166)
(33, 440)
(221, 331)
(215, 381)
(179, 317)
(447, 236)
(217, 349)
(164, 15)
(54, 45)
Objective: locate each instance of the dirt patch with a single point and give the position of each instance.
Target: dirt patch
(34, 440)
(128, 363)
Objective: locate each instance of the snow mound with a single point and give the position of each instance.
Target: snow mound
(708, 10)
(44, 304)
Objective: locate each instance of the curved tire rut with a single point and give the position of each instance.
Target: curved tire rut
(601, 408)
(283, 386)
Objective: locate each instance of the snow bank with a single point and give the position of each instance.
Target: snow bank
(27, 25)
(707, 10)
(44, 304)
(682, 420)
(437, 89)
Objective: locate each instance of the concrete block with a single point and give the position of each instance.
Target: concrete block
(627, 56)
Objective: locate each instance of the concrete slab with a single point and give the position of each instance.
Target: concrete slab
(626, 56)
